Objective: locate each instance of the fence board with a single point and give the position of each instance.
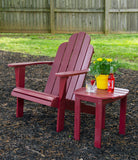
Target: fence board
(80, 17)
(67, 16)
(25, 16)
(123, 16)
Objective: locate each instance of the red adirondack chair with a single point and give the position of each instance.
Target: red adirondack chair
(67, 74)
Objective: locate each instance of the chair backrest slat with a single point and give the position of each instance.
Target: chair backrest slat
(65, 61)
(55, 68)
(74, 59)
(85, 65)
(74, 55)
(78, 66)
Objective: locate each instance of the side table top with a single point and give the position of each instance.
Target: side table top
(103, 94)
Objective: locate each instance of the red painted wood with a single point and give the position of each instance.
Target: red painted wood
(36, 94)
(103, 94)
(20, 76)
(89, 109)
(33, 99)
(65, 61)
(103, 116)
(101, 98)
(77, 64)
(20, 82)
(61, 104)
(55, 68)
(76, 51)
(62, 91)
(69, 60)
(122, 122)
(29, 63)
(98, 124)
(72, 59)
(86, 62)
(71, 73)
(19, 107)
(77, 119)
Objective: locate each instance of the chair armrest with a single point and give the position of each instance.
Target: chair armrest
(71, 73)
(20, 70)
(29, 63)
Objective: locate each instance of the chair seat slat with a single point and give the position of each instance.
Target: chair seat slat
(36, 94)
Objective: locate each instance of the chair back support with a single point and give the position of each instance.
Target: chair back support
(73, 55)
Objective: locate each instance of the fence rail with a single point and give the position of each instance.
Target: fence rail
(68, 16)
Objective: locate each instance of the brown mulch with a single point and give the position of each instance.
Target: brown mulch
(34, 136)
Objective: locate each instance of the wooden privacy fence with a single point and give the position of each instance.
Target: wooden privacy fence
(67, 16)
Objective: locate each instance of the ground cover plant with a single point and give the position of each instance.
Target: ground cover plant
(121, 47)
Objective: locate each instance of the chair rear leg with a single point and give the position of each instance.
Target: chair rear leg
(19, 109)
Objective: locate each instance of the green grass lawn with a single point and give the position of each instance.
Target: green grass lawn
(122, 47)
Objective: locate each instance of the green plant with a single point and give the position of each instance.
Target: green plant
(69, 136)
(103, 66)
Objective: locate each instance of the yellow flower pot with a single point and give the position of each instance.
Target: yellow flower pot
(102, 81)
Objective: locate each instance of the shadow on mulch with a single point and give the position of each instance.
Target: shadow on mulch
(34, 136)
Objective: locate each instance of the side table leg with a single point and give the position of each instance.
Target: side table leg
(98, 124)
(122, 123)
(77, 119)
(103, 120)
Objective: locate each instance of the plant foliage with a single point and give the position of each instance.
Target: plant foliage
(103, 66)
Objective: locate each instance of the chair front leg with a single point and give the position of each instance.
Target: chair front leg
(61, 116)
(61, 104)
(20, 81)
(19, 108)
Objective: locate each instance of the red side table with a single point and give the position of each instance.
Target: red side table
(101, 98)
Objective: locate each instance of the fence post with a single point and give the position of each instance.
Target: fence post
(107, 20)
(0, 13)
(52, 16)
